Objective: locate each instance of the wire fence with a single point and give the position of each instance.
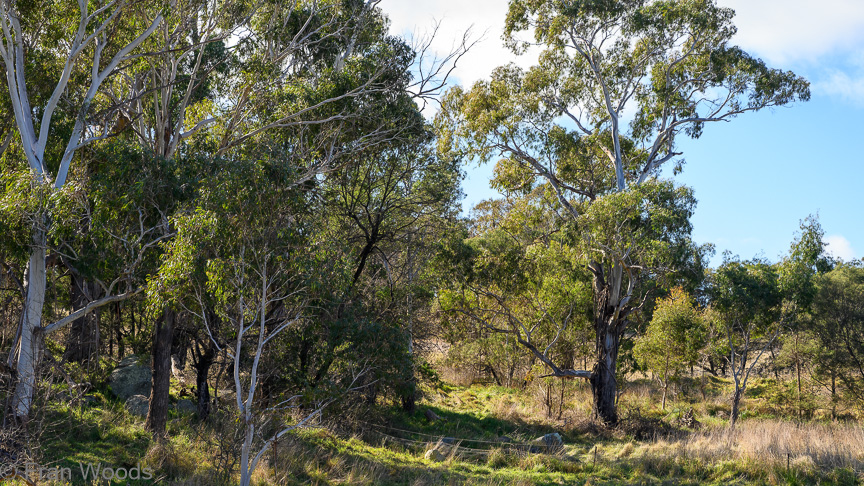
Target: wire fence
(455, 443)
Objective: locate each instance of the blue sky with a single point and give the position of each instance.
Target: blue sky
(758, 176)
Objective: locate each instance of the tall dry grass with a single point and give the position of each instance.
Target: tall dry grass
(773, 443)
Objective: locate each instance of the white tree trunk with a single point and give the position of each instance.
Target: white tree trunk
(245, 470)
(30, 348)
(12, 53)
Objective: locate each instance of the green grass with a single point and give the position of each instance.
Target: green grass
(355, 453)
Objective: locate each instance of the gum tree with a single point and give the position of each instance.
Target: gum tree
(564, 122)
(757, 301)
(748, 297)
(673, 338)
(96, 46)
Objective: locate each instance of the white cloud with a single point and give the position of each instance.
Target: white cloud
(798, 30)
(839, 83)
(485, 18)
(840, 247)
(805, 35)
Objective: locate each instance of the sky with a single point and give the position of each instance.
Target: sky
(757, 177)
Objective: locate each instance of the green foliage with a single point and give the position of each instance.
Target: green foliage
(674, 337)
(748, 296)
(807, 259)
(837, 322)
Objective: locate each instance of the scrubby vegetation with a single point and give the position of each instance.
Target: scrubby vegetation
(487, 432)
(233, 253)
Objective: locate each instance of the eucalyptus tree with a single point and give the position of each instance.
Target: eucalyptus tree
(798, 272)
(389, 205)
(837, 322)
(757, 301)
(563, 122)
(673, 338)
(314, 89)
(748, 297)
(513, 274)
(97, 45)
(228, 78)
(238, 265)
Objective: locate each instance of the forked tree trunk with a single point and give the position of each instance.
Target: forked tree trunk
(157, 416)
(30, 344)
(83, 340)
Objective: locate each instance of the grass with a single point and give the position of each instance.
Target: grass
(650, 447)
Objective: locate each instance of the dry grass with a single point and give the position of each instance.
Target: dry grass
(774, 443)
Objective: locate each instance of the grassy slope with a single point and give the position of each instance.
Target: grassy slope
(104, 432)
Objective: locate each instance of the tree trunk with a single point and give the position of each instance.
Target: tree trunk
(157, 416)
(30, 347)
(83, 340)
(665, 381)
(408, 399)
(202, 368)
(609, 325)
(604, 386)
(736, 402)
(798, 372)
(409, 395)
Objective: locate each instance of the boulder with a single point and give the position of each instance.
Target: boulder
(130, 378)
(186, 406)
(548, 442)
(138, 405)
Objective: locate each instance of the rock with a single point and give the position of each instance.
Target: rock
(551, 442)
(186, 406)
(138, 405)
(432, 416)
(130, 378)
(129, 360)
(435, 455)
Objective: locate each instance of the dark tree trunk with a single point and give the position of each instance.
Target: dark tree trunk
(736, 403)
(604, 386)
(164, 335)
(82, 344)
(409, 398)
(494, 375)
(609, 326)
(205, 356)
(121, 348)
